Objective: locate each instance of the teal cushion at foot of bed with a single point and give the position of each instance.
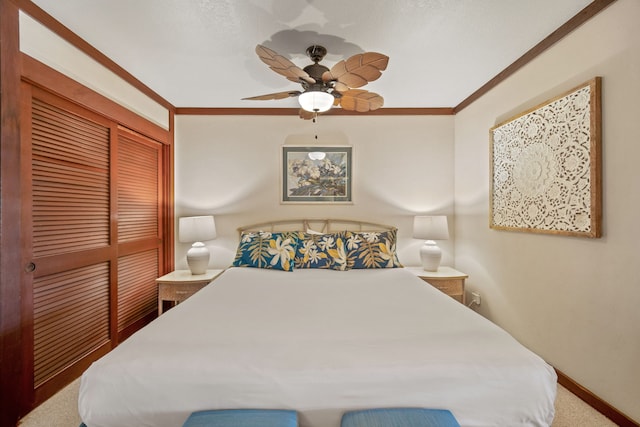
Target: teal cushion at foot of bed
(399, 417)
(243, 418)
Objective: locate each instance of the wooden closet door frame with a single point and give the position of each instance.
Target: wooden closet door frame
(38, 78)
(12, 386)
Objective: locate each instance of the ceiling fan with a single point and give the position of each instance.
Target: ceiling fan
(324, 88)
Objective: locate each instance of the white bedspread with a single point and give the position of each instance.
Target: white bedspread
(319, 342)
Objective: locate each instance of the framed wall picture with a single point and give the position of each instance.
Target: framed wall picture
(546, 167)
(316, 174)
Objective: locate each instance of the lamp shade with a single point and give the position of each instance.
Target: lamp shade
(316, 101)
(196, 229)
(430, 227)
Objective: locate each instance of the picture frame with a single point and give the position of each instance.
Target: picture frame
(545, 166)
(316, 174)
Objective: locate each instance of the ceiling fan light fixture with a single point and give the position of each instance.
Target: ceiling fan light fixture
(316, 101)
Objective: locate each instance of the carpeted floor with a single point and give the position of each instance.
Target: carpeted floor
(61, 411)
(571, 411)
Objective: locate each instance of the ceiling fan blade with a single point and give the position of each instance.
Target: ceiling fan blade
(277, 95)
(361, 100)
(340, 87)
(358, 70)
(282, 65)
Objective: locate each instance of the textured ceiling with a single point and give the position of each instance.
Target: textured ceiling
(200, 53)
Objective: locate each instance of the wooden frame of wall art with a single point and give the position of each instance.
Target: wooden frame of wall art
(312, 174)
(546, 167)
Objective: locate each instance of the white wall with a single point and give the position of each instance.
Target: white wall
(574, 301)
(229, 166)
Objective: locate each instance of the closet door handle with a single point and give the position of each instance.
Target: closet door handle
(30, 268)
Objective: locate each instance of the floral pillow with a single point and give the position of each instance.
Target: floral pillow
(372, 249)
(267, 250)
(317, 250)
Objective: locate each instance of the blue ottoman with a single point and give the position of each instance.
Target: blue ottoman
(243, 418)
(399, 417)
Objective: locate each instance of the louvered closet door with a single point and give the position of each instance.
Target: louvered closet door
(70, 235)
(94, 236)
(139, 232)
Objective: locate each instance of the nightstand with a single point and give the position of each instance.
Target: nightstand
(446, 279)
(179, 285)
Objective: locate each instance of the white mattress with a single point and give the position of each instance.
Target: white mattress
(319, 342)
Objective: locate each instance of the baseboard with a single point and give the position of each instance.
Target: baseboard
(595, 402)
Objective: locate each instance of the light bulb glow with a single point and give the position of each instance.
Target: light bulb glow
(316, 101)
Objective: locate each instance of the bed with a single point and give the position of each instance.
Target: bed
(320, 341)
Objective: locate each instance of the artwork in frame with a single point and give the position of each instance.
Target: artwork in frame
(313, 174)
(546, 167)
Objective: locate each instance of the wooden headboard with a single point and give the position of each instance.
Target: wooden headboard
(319, 225)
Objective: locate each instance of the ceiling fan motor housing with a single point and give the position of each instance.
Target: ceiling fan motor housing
(315, 71)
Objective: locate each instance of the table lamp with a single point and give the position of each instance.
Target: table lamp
(430, 228)
(196, 229)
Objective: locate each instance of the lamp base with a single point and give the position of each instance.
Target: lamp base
(430, 255)
(198, 258)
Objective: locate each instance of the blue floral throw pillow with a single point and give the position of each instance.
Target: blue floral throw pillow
(267, 250)
(372, 249)
(321, 251)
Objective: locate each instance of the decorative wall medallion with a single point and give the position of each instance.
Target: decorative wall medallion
(545, 167)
